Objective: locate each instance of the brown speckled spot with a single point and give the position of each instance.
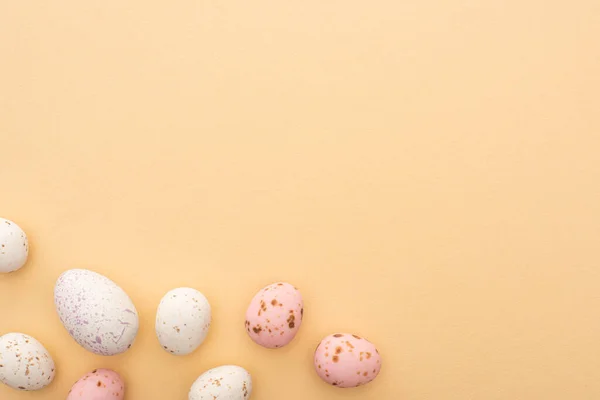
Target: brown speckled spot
(280, 284)
(273, 302)
(337, 335)
(334, 383)
(349, 345)
(338, 350)
(263, 307)
(99, 384)
(257, 329)
(365, 373)
(356, 337)
(21, 387)
(335, 359)
(368, 355)
(290, 321)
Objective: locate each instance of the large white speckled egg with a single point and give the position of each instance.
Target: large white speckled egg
(14, 247)
(345, 360)
(274, 315)
(96, 312)
(227, 382)
(182, 320)
(25, 364)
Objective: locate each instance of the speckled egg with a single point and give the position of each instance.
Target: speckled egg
(345, 360)
(182, 320)
(96, 312)
(14, 247)
(275, 315)
(24, 362)
(100, 384)
(228, 382)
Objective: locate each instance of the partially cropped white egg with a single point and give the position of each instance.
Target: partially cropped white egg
(227, 382)
(14, 247)
(25, 364)
(182, 320)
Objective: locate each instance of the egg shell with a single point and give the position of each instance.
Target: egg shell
(14, 247)
(345, 360)
(25, 364)
(227, 382)
(274, 315)
(100, 384)
(96, 312)
(182, 320)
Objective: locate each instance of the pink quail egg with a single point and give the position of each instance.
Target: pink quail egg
(274, 315)
(100, 384)
(345, 360)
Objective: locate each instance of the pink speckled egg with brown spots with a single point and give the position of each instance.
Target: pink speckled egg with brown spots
(345, 360)
(100, 384)
(274, 315)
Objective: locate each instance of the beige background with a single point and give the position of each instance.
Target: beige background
(427, 172)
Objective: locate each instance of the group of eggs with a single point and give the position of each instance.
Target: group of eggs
(101, 317)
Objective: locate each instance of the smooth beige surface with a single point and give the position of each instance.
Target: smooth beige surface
(426, 172)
